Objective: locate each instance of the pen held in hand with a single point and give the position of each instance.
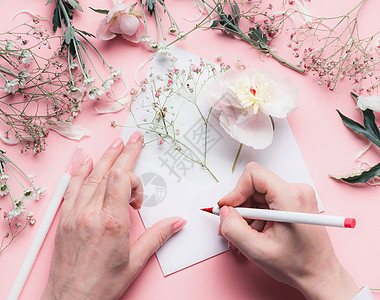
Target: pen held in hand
(289, 217)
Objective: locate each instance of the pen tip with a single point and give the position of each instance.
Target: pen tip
(208, 209)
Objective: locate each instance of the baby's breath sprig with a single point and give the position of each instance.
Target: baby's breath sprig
(16, 215)
(166, 96)
(35, 88)
(333, 49)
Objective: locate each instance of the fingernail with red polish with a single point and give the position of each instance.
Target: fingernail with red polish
(224, 211)
(179, 225)
(117, 143)
(135, 137)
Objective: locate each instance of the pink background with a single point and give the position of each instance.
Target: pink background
(327, 147)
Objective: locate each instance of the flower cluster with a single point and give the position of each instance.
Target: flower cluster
(131, 23)
(247, 102)
(42, 93)
(17, 216)
(165, 96)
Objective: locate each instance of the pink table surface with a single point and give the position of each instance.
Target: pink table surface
(326, 145)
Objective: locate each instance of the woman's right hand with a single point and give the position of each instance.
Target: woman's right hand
(297, 254)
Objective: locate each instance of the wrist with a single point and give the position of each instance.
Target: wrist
(336, 283)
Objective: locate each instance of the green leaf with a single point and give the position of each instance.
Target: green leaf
(74, 4)
(236, 12)
(49, 1)
(151, 4)
(259, 37)
(215, 23)
(361, 177)
(370, 122)
(69, 35)
(100, 11)
(368, 130)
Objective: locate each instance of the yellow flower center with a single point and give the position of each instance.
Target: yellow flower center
(253, 91)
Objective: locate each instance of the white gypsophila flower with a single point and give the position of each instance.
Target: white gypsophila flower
(40, 192)
(28, 194)
(10, 86)
(88, 81)
(26, 57)
(370, 102)
(23, 77)
(146, 39)
(4, 177)
(10, 45)
(247, 101)
(73, 65)
(107, 85)
(115, 74)
(95, 93)
(3, 189)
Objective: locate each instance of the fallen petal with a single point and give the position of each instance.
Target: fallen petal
(68, 130)
(116, 106)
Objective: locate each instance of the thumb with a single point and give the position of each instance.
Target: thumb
(152, 239)
(235, 229)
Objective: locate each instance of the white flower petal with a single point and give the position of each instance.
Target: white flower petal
(218, 94)
(282, 101)
(116, 106)
(8, 141)
(371, 102)
(252, 130)
(67, 129)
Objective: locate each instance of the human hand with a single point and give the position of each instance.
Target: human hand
(297, 254)
(93, 257)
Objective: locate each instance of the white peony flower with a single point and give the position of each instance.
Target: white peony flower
(247, 101)
(11, 86)
(371, 102)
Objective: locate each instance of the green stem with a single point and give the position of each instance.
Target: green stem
(237, 157)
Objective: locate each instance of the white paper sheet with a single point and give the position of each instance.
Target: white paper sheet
(176, 186)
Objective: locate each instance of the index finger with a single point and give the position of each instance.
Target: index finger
(122, 167)
(256, 180)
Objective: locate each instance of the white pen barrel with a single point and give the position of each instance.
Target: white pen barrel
(39, 238)
(291, 217)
